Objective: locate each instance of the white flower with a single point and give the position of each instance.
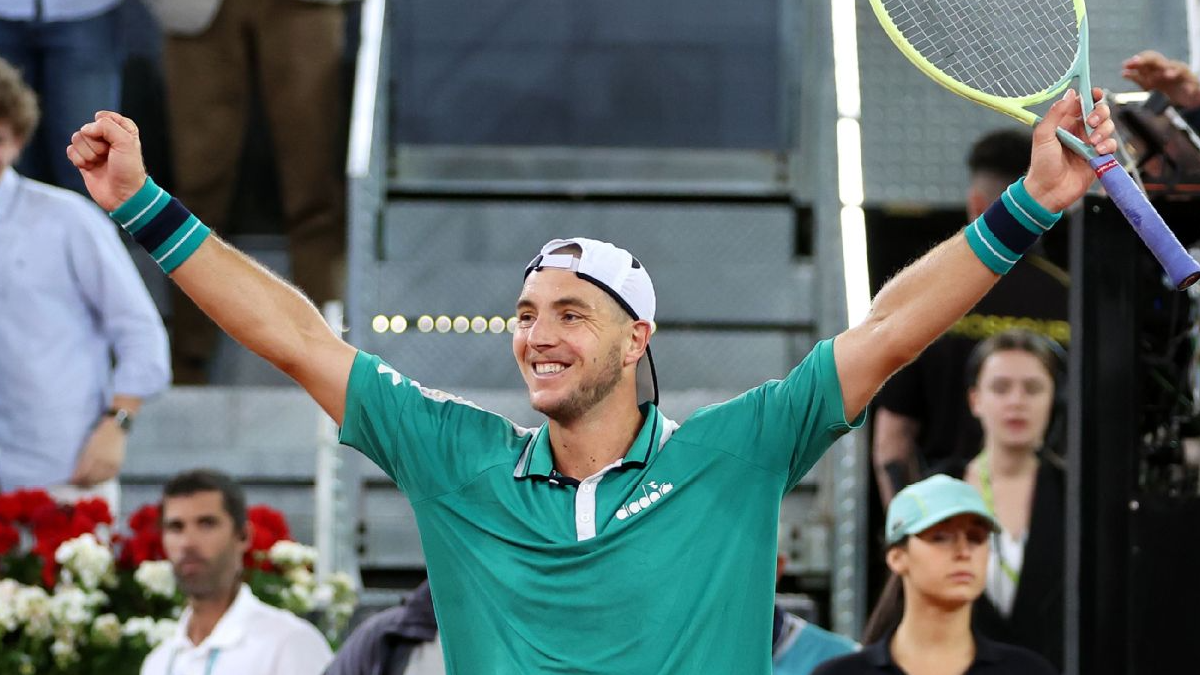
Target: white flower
(162, 631)
(138, 626)
(88, 561)
(323, 596)
(156, 577)
(32, 608)
(343, 588)
(64, 653)
(298, 599)
(300, 576)
(72, 606)
(106, 630)
(289, 554)
(8, 610)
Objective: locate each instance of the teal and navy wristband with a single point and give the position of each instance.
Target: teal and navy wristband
(1010, 226)
(162, 225)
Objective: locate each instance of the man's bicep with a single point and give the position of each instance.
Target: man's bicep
(326, 375)
(862, 366)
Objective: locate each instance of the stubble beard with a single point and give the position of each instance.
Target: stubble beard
(589, 393)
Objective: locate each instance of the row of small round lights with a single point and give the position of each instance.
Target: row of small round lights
(479, 325)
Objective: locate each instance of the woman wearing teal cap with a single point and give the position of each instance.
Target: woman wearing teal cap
(938, 533)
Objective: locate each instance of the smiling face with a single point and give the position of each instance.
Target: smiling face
(203, 544)
(945, 564)
(576, 348)
(1013, 398)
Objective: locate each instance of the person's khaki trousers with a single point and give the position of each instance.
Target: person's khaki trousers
(292, 49)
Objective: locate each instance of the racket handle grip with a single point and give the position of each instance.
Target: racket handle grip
(1180, 266)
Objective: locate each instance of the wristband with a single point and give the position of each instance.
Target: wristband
(161, 225)
(1010, 226)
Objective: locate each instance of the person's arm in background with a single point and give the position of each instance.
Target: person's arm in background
(926, 298)
(130, 324)
(255, 307)
(1152, 71)
(894, 452)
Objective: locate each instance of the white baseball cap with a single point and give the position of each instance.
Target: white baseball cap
(617, 273)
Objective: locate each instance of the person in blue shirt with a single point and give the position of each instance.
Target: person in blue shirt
(81, 343)
(70, 53)
(799, 646)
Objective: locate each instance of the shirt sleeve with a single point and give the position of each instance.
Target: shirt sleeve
(120, 304)
(785, 425)
(302, 652)
(426, 440)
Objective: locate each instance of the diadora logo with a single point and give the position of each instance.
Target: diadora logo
(652, 491)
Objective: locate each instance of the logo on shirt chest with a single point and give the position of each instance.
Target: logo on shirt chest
(652, 491)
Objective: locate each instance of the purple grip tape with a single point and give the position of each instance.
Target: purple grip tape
(1179, 265)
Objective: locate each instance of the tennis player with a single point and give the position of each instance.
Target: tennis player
(611, 539)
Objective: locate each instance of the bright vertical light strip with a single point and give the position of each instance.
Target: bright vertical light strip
(849, 158)
(854, 242)
(849, 150)
(845, 58)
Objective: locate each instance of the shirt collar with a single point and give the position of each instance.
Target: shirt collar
(879, 654)
(230, 628)
(538, 459)
(9, 180)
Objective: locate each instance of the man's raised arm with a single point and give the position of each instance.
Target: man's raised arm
(252, 305)
(928, 296)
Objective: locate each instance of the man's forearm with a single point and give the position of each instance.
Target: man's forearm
(261, 311)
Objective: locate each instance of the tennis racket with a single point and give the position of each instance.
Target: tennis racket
(1012, 54)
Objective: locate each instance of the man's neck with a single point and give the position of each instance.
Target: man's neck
(206, 612)
(586, 445)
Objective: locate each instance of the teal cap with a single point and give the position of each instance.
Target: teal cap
(926, 503)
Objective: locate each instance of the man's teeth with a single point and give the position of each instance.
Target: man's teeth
(548, 368)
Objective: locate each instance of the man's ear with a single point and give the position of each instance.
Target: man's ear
(247, 536)
(638, 341)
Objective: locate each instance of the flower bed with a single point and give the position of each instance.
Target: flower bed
(78, 597)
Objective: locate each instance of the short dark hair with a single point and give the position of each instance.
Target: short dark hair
(1003, 153)
(18, 103)
(233, 498)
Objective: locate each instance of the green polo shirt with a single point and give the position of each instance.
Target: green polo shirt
(663, 562)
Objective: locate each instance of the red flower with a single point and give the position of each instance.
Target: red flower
(141, 547)
(145, 540)
(269, 527)
(145, 518)
(95, 510)
(8, 537)
(22, 504)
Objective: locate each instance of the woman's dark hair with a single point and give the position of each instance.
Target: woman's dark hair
(889, 608)
(1022, 340)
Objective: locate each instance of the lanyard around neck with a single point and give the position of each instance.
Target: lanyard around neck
(989, 500)
(208, 667)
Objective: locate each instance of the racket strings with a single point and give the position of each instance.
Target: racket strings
(1008, 48)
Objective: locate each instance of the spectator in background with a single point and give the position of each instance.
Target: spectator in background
(1013, 377)
(216, 52)
(70, 53)
(81, 343)
(921, 414)
(937, 535)
(1152, 71)
(401, 640)
(225, 630)
(798, 646)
